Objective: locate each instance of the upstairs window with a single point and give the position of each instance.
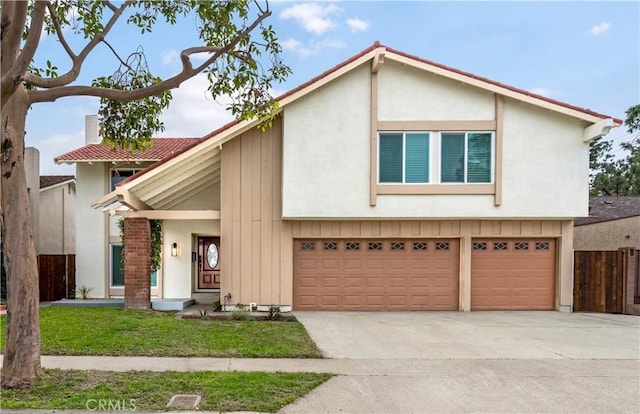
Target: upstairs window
(120, 175)
(435, 158)
(465, 157)
(404, 157)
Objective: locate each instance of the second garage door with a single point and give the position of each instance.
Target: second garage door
(513, 274)
(373, 274)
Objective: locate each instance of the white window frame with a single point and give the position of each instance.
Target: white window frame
(466, 153)
(134, 171)
(111, 264)
(435, 146)
(404, 140)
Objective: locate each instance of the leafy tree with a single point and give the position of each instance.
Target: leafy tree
(243, 61)
(617, 177)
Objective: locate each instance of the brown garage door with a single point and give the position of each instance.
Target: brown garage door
(513, 274)
(375, 274)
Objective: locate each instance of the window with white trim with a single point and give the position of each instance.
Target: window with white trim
(436, 158)
(465, 157)
(404, 157)
(116, 267)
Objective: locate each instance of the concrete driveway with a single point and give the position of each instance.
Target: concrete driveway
(501, 362)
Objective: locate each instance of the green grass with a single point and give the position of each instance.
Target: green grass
(151, 391)
(120, 332)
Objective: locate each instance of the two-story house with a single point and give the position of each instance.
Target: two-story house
(388, 182)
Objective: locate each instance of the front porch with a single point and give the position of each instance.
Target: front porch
(156, 304)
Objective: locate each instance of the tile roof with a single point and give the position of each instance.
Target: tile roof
(160, 149)
(51, 180)
(609, 208)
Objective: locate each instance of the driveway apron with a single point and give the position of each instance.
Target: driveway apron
(502, 362)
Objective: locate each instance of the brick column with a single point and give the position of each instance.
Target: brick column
(137, 263)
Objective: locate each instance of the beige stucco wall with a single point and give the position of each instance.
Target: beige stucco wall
(179, 273)
(91, 227)
(409, 94)
(57, 219)
(326, 151)
(608, 235)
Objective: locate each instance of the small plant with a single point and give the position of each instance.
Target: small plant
(273, 313)
(240, 313)
(83, 292)
(203, 315)
(217, 306)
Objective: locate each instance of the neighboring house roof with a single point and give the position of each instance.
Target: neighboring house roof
(161, 148)
(610, 208)
(53, 180)
(377, 54)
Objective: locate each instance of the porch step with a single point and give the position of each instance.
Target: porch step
(205, 298)
(171, 304)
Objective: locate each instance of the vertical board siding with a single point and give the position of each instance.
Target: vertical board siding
(251, 218)
(421, 228)
(598, 281)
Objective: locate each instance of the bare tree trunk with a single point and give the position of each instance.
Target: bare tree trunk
(21, 365)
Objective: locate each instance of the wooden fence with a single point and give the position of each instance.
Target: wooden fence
(57, 274)
(605, 281)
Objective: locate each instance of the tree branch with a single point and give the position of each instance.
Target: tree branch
(235, 41)
(56, 24)
(74, 72)
(12, 78)
(187, 72)
(110, 5)
(116, 54)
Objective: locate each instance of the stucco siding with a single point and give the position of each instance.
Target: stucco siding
(91, 239)
(326, 155)
(179, 272)
(409, 94)
(57, 220)
(608, 235)
(546, 165)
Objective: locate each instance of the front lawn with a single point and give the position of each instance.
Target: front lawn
(151, 391)
(121, 332)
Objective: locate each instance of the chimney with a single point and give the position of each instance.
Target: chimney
(91, 130)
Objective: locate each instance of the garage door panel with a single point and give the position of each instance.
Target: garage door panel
(378, 274)
(513, 274)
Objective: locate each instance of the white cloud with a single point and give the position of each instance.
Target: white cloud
(193, 112)
(313, 17)
(549, 93)
(55, 145)
(169, 57)
(312, 47)
(599, 29)
(357, 25)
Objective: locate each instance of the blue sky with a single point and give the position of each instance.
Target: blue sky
(583, 53)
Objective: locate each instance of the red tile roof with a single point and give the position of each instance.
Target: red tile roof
(161, 148)
(51, 180)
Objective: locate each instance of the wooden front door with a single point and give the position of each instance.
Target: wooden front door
(209, 263)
